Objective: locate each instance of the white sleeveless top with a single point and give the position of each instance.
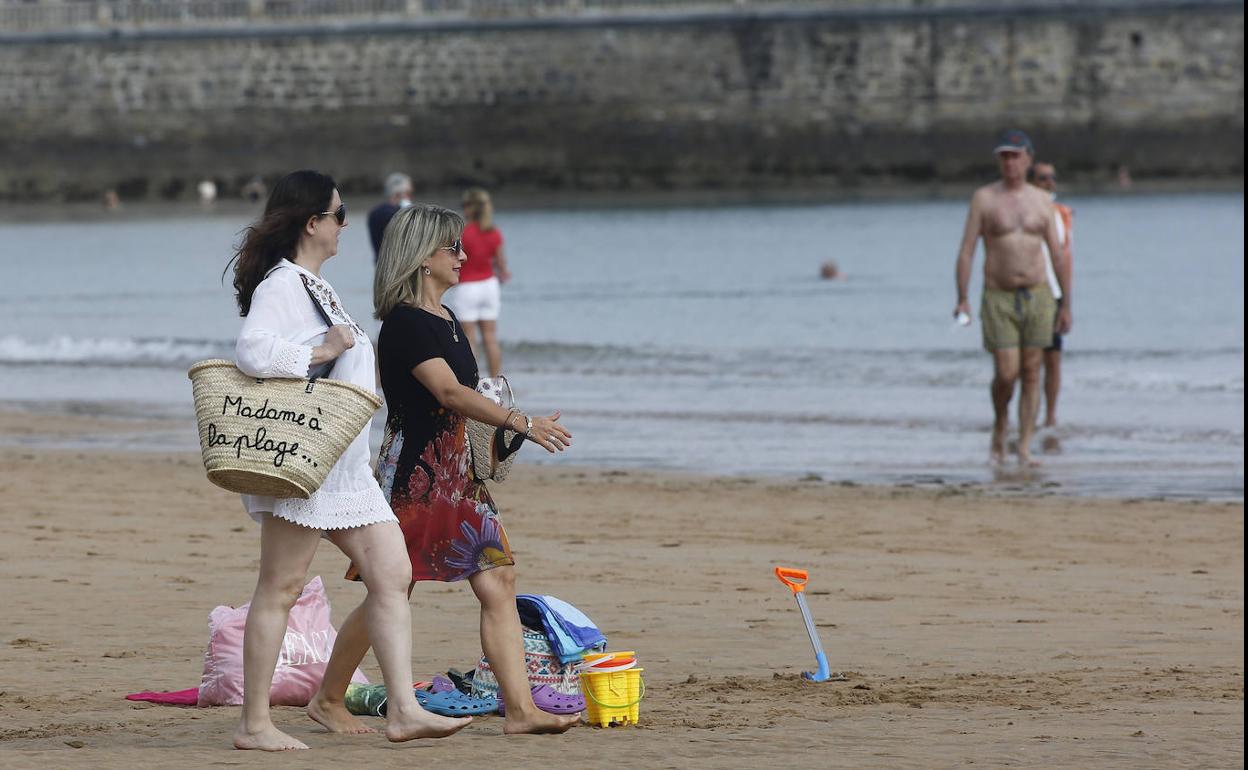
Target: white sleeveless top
(1048, 258)
(276, 340)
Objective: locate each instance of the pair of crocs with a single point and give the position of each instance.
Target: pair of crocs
(445, 699)
(552, 701)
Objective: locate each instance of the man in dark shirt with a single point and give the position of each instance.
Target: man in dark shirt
(398, 196)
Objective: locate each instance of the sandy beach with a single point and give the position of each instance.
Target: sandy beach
(974, 629)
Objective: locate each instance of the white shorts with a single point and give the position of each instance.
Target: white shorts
(475, 300)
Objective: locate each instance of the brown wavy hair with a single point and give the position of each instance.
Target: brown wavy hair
(296, 198)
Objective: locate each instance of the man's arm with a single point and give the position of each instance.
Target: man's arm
(966, 252)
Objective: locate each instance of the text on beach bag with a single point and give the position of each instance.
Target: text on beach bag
(277, 437)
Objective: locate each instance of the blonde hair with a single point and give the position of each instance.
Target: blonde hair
(478, 207)
(413, 235)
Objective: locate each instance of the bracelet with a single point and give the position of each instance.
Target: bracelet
(507, 421)
(528, 427)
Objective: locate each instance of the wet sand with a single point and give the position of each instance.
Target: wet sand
(973, 629)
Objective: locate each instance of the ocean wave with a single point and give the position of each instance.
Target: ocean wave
(112, 351)
(1121, 371)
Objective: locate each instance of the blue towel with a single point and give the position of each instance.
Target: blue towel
(570, 632)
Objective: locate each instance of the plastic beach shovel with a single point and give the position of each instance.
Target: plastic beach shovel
(796, 579)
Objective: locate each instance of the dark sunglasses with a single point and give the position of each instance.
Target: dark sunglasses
(339, 213)
(455, 247)
(1046, 177)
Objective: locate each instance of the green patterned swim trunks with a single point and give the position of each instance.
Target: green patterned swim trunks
(1018, 318)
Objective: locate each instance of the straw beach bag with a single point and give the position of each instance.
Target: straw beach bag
(493, 448)
(274, 437)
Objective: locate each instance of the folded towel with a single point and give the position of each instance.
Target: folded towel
(571, 633)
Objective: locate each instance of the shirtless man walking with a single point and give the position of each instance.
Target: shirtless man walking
(1018, 311)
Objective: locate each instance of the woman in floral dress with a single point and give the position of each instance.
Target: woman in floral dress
(449, 521)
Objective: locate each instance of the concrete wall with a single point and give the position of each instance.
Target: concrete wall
(678, 102)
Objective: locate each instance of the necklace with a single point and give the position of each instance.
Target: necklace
(449, 323)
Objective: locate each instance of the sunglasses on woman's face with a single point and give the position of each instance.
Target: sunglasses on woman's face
(455, 247)
(339, 213)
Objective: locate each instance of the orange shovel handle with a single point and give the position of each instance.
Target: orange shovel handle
(793, 578)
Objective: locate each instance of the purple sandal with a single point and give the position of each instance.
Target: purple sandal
(552, 701)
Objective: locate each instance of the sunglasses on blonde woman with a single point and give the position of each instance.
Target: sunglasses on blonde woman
(455, 247)
(339, 214)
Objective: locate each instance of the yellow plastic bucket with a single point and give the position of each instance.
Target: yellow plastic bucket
(612, 697)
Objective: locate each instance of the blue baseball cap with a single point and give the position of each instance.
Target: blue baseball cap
(1014, 141)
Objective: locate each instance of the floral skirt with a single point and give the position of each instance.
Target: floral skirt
(450, 523)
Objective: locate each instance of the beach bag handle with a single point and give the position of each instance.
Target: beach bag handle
(324, 369)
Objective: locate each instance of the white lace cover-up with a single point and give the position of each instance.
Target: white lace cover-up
(276, 340)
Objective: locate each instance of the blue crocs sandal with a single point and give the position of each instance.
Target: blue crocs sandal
(455, 704)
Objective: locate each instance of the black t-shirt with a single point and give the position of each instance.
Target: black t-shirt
(378, 218)
(409, 337)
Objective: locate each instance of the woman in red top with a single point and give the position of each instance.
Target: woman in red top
(476, 299)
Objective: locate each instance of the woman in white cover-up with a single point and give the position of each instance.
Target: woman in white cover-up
(277, 279)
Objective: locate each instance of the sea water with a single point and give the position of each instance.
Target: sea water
(703, 339)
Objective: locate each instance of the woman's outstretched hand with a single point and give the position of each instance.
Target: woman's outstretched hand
(549, 434)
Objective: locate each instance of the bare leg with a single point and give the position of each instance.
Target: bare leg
(349, 651)
(387, 572)
(286, 550)
(1029, 402)
(493, 352)
(327, 707)
(502, 640)
(472, 329)
(1052, 385)
(1004, 375)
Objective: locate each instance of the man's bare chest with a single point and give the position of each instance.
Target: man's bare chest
(1013, 217)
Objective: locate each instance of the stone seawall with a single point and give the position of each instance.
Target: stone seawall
(709, 102)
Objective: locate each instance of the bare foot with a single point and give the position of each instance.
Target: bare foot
(1050, 444)
(335, 717)
(418, 723)
(1025, 460)
(996, 451)
(539, 722)
(267, 739)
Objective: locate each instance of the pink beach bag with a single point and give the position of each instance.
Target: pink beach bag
(300, 663)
